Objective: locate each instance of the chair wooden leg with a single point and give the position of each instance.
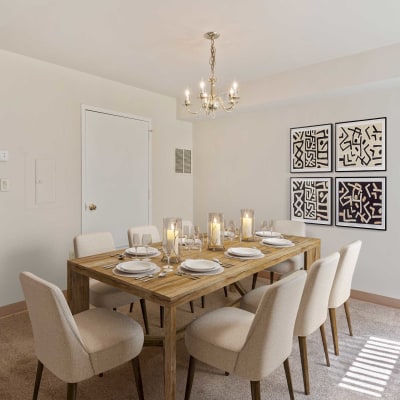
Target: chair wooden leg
(131, 308)
(144, 314)
(190, 376)
(161, 317)
(226, 291)
(332, 317)
(39, 372)
(271, 277)
(255, 390)
(347, 311)
(323, 337)
(304, 363)
(191, 307)
(71, 391)
(288, 378)
(138, 377)
(253, 284)
(203, 301)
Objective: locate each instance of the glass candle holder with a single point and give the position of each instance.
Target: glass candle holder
(247, 224)
(172, 231)
(215, 231)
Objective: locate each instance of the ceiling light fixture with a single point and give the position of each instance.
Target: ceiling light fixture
(211, 102)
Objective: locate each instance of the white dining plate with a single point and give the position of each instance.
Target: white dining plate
(136, 266)
(154, 271)
(244, 251)
(141, 251)
(268, 234)
(278, 242)
(215, 271)
(229, 255)
(200, 265)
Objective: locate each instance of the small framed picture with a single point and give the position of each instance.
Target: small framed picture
(310, 200)
(311, 148)
(361, 202)
(361, 145)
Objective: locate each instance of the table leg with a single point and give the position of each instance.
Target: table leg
(170, 353)
(77, 291)
(310, 256)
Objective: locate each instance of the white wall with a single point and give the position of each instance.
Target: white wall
(242, 161)
(40, 116)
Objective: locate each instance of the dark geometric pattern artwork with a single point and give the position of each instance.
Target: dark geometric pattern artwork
(311, 148)
(360, 202)
(361, 145)
(311, 200)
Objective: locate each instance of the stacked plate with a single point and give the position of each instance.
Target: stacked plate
(268, 234)
(244, 253)
(141, 251)
(136, 269)
(200, 267)
(278, 242)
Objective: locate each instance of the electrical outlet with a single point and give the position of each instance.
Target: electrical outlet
(4, 185)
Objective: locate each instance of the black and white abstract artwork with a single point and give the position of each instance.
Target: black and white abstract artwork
(361, 202)
(311, 148)
(361, 145)
(311, 200)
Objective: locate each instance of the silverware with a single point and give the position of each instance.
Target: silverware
(109, 266)
(189, 276)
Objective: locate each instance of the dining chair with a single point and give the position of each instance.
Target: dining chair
(101, 294)
(76, 347)
(313, 307)
(341, 288)
(288, 227)
(248, 345)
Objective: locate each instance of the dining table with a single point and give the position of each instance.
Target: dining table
(176, 289)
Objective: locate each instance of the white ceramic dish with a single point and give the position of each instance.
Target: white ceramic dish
(200, 265)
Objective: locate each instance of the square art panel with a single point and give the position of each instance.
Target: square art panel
(361, 145)
(361, 202)
(311, 148)
(311, 200)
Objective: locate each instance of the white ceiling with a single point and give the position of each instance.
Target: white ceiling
(158, 44)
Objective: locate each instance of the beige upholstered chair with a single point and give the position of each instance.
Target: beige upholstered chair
(249, 345)
(75, 348)
(100, 294)
(341, 288)
(150, 229)
(288, 227)
(313, 307)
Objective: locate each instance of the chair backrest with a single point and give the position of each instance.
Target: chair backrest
(314, 302)
(88, 244)
(296, 228)
(151, 229)
(58, 344)
(270, 338)
(341, 288)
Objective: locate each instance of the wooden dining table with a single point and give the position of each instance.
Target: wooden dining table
(174, 290)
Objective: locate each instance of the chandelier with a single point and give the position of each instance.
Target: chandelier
(211, 102)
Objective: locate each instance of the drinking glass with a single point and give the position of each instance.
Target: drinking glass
(135, 241)
(231, 229)
(168, 247)
(147, 239)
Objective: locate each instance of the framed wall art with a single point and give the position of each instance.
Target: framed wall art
(310, 200)
(361, 145)
(361, 202)
(311, 148)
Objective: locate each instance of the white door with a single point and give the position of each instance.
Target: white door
(115, 172)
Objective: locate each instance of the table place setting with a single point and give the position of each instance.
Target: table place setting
(277, 242)
(268, 234)
(142, 251)
(199, 267)
(136, 269)
(244, 253)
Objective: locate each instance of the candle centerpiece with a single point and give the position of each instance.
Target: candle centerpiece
(215, 231)
(172, 228)
(247, 224)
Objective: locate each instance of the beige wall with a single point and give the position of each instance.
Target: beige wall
(40, 116)
(242, 161)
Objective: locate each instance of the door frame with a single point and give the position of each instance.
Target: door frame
(84, 108)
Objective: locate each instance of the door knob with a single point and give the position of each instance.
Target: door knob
(92, 207)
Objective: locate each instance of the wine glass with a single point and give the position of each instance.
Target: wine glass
(147, 239)
(135, 241)
(168, 247)
(197, 243)
(231, 229)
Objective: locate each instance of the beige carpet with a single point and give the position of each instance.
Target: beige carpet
(371, 325)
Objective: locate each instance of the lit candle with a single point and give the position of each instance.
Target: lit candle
(187, 96)
(215, 233)
(235, 86)
(171, 239)
(246, 226)
(202, 86)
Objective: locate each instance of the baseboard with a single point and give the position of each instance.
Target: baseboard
(15, 308)
(375, 298)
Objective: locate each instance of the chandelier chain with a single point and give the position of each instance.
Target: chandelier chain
(212, 57)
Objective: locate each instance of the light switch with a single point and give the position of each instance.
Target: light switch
(4, 185)
(3, 155)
